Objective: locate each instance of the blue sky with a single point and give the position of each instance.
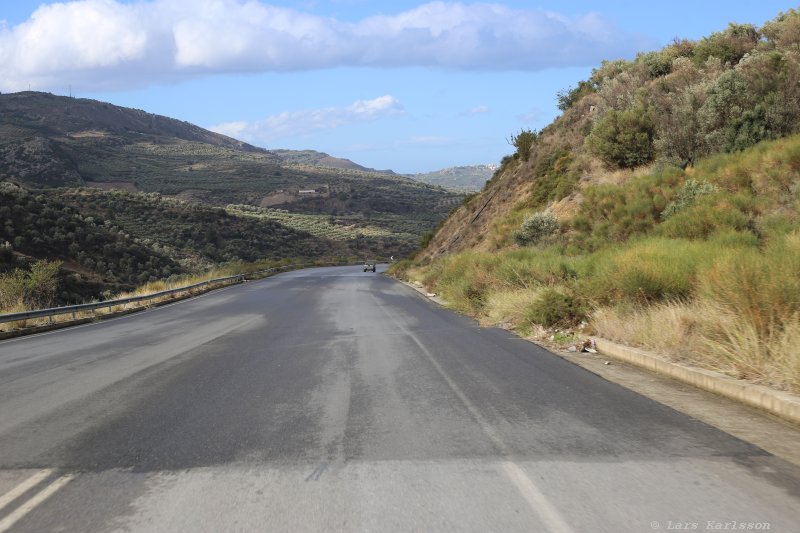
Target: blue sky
(411, 86)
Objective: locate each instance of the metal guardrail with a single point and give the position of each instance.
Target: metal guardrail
(238, 278)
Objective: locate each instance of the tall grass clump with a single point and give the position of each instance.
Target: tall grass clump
(761, 287)
(646, 271)
(22, 290)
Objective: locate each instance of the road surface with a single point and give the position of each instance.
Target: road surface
(333, 399)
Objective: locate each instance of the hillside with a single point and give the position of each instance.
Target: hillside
(661, 209)
(321, 159)
(112, 241)
(469, 178)
(55, 141)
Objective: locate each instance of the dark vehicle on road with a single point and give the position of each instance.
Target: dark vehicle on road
(369, 265)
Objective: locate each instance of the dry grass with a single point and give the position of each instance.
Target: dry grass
(597, 173)
(508, 306)
(144, 290)
(670, 329)
(708, 335)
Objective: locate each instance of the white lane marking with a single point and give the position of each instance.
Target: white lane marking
(535, 498)
(20, 512)
(23, 487)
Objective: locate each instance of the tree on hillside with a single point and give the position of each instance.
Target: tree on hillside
(523, 141)
(624, 138)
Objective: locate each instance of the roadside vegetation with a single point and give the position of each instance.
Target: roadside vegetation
(661, 210)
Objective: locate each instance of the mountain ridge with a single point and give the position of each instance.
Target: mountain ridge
(470, 178)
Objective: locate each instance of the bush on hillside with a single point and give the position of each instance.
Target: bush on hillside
(523, 141)
(568, 97)
(555, 308)
(729, 45)
(624, 138)
(686, 196)
(535, 228)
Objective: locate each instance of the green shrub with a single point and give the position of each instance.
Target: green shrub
(555, 308)
(523, 141)
(686, 196)
(624, 138)
(750, 127)
(657, 63)
(426, 239)
(729, 46)
(535, 228)
(568, 97)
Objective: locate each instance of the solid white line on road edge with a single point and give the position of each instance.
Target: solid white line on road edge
(30, 505)
(535, 498)
(23, 487)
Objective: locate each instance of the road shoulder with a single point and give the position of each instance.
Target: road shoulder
(758, 427)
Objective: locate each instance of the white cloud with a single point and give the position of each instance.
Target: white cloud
(294, 123)
(101, 44)
(477, 110)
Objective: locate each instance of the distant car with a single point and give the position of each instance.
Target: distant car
(369, 265)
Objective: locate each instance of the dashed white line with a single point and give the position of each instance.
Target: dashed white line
(535, 498)
(21, 511)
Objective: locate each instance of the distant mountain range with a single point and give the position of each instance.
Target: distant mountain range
(55, 141)
(321, 159)
(466, 178)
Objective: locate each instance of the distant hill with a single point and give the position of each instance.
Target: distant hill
(55, 141)
(467, 178)
(321, 159)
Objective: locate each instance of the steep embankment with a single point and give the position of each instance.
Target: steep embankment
(661, 209)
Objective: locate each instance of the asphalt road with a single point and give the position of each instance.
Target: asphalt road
(332, 399)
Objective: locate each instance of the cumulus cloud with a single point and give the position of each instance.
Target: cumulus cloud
(102, 44)
(294, 123)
